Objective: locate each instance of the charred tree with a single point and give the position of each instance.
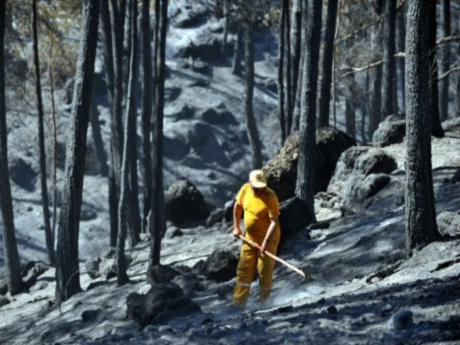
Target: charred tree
(238, 53)
(401, 23)
(296, 46)
(117, 19)
(281, 68)
(325, 97)
(226, 26)
(12, 264)
(67, 268)
(305, 179)
(436, 128)
(157, 220)
(421, 227)
(445, 61)
(375, 114)
(251, 124)
(97, 138)
(130, 123)
(147, 92)
(389, 61)
(41, 139)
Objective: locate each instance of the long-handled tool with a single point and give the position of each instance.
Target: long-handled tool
(274, 257)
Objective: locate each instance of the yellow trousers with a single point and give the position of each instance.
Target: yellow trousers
(251, 260)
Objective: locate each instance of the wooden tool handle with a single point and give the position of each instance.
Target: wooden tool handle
(273, 256)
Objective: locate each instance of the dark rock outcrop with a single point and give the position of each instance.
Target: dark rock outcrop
(294, 217)
(390, 131)
(281, 171)
(185, 204)
(161, 274)
(31, 271)
(221, 265)
(22, 173)
(163, 302)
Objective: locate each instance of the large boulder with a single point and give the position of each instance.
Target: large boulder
(221, 265)
(191, 16)
(281, 171)
(294, 216)
(163, 302)
(205, 47)
(22, 173)
(449, 224)
(161, 274)
(356, 163)
(390, 131)
(360, 188)
(185, 204)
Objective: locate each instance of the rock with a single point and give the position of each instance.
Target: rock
(87, 212)
(184, 113)
(162, 303)
(221, 265)
(281, 171)
(185, 203)
(4, 301)
(175, 148)
(172, 93)
(22, 173)
(216, 216)
(449, 224)
(3, 286)
(161, 274)
(355, 164)
(188, 282)
(206, 47)
(228, 210)
(294, 217)
(90, 315)
(332, 310)
(92, 268)
(219, 117)
(173, 232)
(390, 131)
(191, 17)
(451, 124)
(403, 319)
(360, 188)
(31, 271)
(375, 161)
(198, 66)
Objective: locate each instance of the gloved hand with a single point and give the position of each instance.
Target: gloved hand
(237, 232)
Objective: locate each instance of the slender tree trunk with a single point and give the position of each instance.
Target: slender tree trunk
(67, 267)
(436, 128)
(147, 94)
(97, 138)
(325, 98)
(41, 139)
(305, 179)
(281, 89)
(445, 60)
(421, 227)
(251, 124)
(226, 26)
(365, 107)
(130, 123)
(288, 73)
(118, 9)
(54, 125)
(376, 115)
(350, 120)
(402, 48)
(238, 53)
(10, 249)
(157, 220)
(296, 45)
(389, 61)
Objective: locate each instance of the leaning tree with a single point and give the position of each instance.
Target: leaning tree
(67, 268)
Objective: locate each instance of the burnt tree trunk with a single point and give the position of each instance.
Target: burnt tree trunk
(41, 139)
(436, 128)
(389, 61)
(238, 53)
(288, 72)
(281, 88)
(226, 27)
(97, 138)
(296, 46)
(325, 97)
(130, 123)
(445, 61)
(10, 248)
(251, 124)
(147, 94)
(305, 179)
(421, 227)
(67, 268)
(401, 22)
(117, 19)
(157, 220)
(350, 120)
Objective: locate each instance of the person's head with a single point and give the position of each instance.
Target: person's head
(258, 181)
